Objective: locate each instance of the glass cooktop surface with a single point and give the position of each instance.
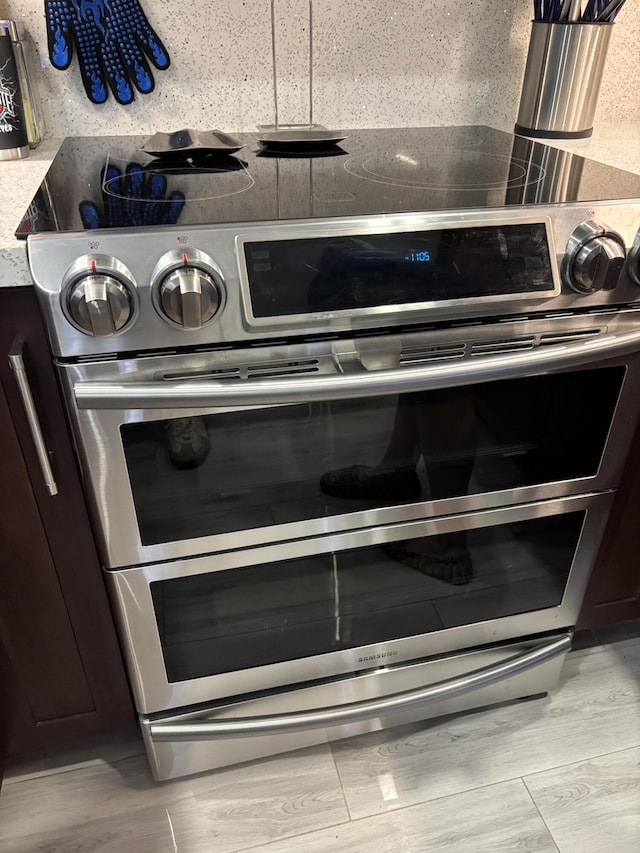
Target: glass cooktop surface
(109, 182)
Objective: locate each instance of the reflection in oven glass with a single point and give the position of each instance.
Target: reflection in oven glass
(231, 620)
(283, 464)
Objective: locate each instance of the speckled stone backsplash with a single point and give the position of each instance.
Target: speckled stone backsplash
(375, 63)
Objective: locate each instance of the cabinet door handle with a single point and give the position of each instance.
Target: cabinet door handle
(16, 363)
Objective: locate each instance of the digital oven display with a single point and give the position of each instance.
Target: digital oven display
(327, 274)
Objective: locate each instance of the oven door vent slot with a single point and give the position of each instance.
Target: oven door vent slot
(283, 368)
(197, 375)
(566, 337)
(504, 345)
(423, 355)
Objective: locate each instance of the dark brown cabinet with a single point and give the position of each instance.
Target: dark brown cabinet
(62, 667)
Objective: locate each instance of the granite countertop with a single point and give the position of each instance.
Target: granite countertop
(615, 144)
(19, 180)
(618, 145)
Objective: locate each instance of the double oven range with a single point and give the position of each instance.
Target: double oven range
(350, 421)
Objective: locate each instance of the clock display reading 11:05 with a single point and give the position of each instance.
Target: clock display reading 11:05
(418, 257)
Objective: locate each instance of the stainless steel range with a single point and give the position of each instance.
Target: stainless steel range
(350, 421)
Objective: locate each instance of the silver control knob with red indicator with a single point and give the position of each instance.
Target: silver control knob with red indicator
(189, 297)
(187, 289)
(98, 296)
(594, 260)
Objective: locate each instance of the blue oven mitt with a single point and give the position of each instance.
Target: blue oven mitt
(113, 40)
(137, 198)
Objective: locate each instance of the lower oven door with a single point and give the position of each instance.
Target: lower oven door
(246, 728)
(255, 620)
(200, 453)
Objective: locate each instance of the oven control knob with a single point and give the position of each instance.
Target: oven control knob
(189, 297)
(99, 305)
(595, 259)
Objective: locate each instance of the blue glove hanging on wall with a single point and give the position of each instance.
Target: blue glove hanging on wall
(113, 41)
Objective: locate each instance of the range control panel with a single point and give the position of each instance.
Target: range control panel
(124, 292)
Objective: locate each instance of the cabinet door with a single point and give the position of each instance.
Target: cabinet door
(65, 667)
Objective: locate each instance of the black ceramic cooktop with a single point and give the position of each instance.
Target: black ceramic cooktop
(108, 182)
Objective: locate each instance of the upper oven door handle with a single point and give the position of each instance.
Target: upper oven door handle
(367, 709)
(210, 394)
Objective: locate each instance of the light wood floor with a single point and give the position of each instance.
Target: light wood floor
(560, 773)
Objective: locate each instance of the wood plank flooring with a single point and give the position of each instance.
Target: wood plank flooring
(559, 773)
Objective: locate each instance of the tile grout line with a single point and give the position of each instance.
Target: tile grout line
(17, 780)
(382, 814)
(375, 816)
(490, 784)
(67, 768)
(582, 760)
(330, 826)
(410, 805)
(344, 793)
(535, 805)
(265, 844)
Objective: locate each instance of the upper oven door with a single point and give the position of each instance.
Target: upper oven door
(205, 452)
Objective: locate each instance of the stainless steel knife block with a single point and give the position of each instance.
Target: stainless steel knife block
(562, 79)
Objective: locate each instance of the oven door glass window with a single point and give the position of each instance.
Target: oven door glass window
(239, 470)
(232, 620)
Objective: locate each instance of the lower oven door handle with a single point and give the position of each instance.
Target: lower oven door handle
(363, 710)
(209, 394)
